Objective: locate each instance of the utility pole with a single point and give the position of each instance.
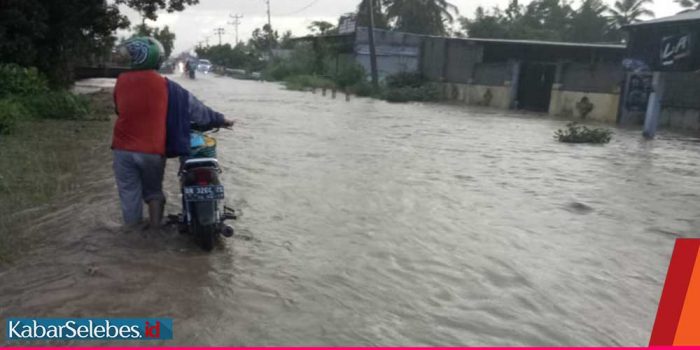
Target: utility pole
(372, 48)
(236, 22)
(219, 31)
(269, 26)
(207, 39)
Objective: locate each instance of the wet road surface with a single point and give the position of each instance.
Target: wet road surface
(368, 223)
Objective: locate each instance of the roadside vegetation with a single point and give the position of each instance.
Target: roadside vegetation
(45, 136)
(577, 133)
(25, 95)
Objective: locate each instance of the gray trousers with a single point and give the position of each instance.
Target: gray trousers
(139, 179)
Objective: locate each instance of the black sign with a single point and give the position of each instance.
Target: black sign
(675, 52)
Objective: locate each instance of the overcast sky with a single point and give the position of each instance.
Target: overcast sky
(198, 22)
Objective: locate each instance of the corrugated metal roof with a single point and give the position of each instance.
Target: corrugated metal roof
(524, 42)
(489, 40)
(549, 43)
(681, 17)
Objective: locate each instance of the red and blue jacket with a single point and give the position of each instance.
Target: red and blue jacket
(155, 115)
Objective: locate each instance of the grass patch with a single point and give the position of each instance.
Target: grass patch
(43, 159)
(577, 133)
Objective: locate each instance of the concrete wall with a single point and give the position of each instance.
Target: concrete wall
(564, 104)
(462, 57)
(494, 74)
(680, 118)
(598, 77)
(433, 58)
(599, 83)
(680, 104)
(396, 52)
(479, 95)
(490, 86)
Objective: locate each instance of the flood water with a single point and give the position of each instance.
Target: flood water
(368, 223)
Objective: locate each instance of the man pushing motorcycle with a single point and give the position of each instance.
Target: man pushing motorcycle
(153, 124)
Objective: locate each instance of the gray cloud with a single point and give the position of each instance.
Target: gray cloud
(197, 23)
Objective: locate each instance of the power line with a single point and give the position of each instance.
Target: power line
(219, 31)
(312, 3)
(236, 22)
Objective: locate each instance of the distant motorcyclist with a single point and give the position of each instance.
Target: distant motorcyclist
(191, 68)
(155, 116)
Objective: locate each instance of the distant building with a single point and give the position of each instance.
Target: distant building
(573, 80)
(670, 47)
(347, 24)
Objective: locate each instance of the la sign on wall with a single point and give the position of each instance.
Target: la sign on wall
(676, 51)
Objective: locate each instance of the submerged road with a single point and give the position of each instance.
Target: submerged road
(368, 223)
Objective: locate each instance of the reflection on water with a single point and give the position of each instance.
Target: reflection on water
(367, 223)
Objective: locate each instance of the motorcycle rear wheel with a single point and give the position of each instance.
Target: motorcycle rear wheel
(205, 235)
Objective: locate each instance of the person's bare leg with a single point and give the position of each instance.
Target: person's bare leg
(155, 213)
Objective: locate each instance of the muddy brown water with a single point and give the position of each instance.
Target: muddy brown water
(367, 223)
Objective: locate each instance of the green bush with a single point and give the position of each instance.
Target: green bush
(350, 75)
(57, 105)
(306, 81)
(17, 80)
(576, 133)
(10, 112)
(405, 79)
(363, 89)
(302, 61)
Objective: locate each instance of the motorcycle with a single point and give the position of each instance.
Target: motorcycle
(190, 70)
(203, 214)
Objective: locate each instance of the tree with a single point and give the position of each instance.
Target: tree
(485, 25)
(421, 17)
(149, 8)
(689, 4)
(286, 40)
(54, 36)
(588, 23)
(322, 28)
(380, 19)
(264, 39)
(225, 55)
(626, 12)
(165, 36)
(552, 20)
(546, 20)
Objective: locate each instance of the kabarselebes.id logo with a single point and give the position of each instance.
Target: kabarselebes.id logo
(89, 329)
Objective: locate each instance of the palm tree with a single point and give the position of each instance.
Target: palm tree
(421, 16)
(689, 4)
(380, 20)
(626, 12)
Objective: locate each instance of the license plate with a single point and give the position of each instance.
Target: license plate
(204, 193)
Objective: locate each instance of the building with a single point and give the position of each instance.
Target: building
(669, 48)
(572, 80)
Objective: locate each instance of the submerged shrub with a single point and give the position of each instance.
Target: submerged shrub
(405, 79)
(363, 89)
(350, 75)
(306, 81)
(577, 133)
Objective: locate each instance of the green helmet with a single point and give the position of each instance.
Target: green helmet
(145, 53)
